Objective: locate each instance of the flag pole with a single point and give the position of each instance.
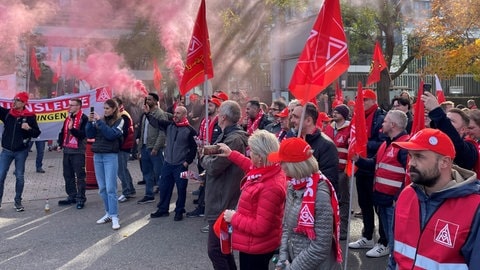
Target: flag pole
(349, 216)
(205, 94)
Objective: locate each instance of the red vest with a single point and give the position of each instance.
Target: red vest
(128, 141)
(341, 140)
(440, 242)
(389, 173)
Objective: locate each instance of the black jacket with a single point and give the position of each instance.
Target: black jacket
(14, 138)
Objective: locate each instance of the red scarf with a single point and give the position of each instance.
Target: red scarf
(183, 123)
(255, 173)
(253, 124)
(22, 113)
(70, 141)
(306, 217)
(203, 130)
(281, 135)
(369, 119)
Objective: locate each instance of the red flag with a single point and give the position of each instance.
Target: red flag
(358, 131)
(338, 96)
(439, 90)
(58, 70)
(199, 60)
(157, 75)
(324, 57)
(419, 112)
(378, 64)
(34, 64)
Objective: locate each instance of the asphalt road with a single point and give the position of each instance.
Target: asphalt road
(67, 238)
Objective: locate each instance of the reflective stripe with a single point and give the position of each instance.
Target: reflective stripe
(388, 182)
(342, 161)
(342, 150)
(424, 262)
(392, 168)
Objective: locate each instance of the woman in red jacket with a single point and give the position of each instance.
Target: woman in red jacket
(257, 222)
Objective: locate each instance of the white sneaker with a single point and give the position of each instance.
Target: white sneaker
(361, 243)
(115, 223)
(378, 251)
(104, 219)
(122, 198)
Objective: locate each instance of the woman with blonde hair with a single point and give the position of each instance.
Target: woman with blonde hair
(310, 237)
(257, 221)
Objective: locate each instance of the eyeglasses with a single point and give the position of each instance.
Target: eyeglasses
(17, 99)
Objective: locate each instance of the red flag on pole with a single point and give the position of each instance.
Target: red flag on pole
(338, 96)
(58, 70)
(358, 131)
(34, 64)
(157, 75)
(199, 60)
(419, 112)
(439, 90)
(324, 57)
(378, 64)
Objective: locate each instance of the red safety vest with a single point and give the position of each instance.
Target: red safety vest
(475, 168)
(438, 245)
(341, 140)
(389, 173)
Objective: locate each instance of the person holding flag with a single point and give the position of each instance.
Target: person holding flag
(374, 116)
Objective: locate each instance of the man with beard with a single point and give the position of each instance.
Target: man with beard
(429, 231)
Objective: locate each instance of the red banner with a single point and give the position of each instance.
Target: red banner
(324, 57)
(358, 131)
(378, 64)
(419, 112)
(157, 75)
(37, 72)
(199, 60)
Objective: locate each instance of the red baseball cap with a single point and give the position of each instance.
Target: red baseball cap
(22, 96)
(283, 113)
(291, 150)
(220, 228)
(429, 139)
(215, 101)
(369, 94)
(221, 95)
(323, 116)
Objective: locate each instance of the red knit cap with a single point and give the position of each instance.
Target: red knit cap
(291, 150)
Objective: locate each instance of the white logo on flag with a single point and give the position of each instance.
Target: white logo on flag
(104, 95)
(194, 46)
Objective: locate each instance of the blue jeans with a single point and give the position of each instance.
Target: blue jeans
(6, 158)
(124, 174)
(151, 168)
(385, 214)
(171, 177)
(40, 146)
(106, 170)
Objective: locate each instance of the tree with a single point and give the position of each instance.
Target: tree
(450, 38)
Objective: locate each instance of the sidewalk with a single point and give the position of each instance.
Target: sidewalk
(40, 186)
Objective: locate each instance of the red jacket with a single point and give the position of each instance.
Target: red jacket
(257, 224)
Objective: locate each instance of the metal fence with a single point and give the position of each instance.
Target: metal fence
(461, 85)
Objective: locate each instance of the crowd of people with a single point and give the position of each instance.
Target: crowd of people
(276, 181)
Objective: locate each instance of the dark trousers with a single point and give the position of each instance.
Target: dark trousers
(171, 177)
(219, 260)
(255, 261)
(74, 175)
(365, 201)
(343, 194)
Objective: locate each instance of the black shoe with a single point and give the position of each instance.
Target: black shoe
(67, 202)
(198, 212)
(40, 170)
(159, 213)
(141, 182)
(146, 200)
(80, 205)
(178, 216)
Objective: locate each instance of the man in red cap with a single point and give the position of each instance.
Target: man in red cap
(20, 126)
(437, 217)
(275, 126)
(284, 119)
(364, 177)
